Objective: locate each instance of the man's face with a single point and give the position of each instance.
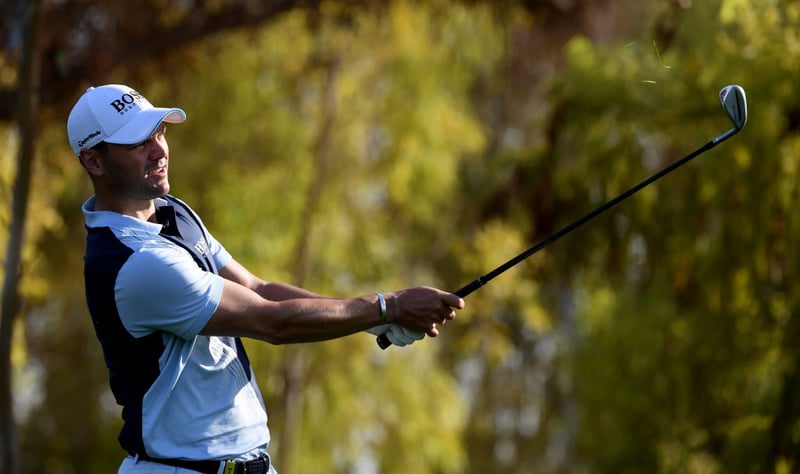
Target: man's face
(138, 171)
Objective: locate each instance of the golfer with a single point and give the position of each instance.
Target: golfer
(169, 304)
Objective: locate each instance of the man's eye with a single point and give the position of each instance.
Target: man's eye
(138, 145)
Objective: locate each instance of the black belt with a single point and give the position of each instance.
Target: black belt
(254, 466)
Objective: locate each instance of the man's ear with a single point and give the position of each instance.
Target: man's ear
(91, 160)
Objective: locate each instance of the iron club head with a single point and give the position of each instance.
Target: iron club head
(734, 102)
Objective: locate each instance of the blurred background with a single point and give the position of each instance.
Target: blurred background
(359, 146)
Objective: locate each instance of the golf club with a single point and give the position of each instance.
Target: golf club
(734, 102)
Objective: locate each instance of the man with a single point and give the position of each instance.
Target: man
(170, 304)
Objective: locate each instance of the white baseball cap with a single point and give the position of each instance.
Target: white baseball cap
(115, 114)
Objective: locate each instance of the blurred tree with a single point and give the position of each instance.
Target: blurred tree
(26, 108)
(131, 33)
(685, 302)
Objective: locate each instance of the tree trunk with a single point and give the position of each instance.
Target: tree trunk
(27, 106)
(295, 365)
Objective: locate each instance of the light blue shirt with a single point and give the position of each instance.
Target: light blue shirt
(203, 402)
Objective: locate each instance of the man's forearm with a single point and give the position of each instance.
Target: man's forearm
(282, 292)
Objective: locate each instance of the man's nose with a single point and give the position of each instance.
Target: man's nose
(158, 149)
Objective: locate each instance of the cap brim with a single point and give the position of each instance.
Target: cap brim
(144, 124)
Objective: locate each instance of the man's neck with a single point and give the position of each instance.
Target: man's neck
(140, 209)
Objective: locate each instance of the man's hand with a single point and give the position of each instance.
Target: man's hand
(423, 308)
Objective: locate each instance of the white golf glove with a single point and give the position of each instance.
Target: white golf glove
(397, 335)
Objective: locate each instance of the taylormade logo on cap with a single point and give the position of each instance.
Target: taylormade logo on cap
(115, 114)
(82, 143)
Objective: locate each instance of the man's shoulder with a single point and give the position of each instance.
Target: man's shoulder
(106, 245)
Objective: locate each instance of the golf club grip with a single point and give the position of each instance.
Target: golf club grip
(383, 341)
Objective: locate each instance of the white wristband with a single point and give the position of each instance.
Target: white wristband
(382, 302)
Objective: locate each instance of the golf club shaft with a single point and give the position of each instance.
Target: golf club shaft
(383, 340)
(482, 280)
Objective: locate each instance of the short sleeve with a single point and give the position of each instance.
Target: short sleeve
(218, 252)
(163, 289)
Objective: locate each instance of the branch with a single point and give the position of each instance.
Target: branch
(85, 41)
